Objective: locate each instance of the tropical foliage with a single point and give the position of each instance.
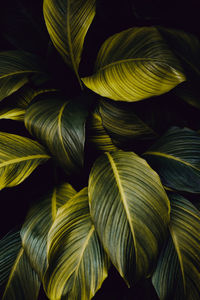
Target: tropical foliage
(99, 153)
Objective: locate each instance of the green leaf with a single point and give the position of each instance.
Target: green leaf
(77, 262)
(60, 125)
(23, 282)
(97, 135)
(130, 211)
(9, 248)
(67, 23)
(133, 65)
(177, 274)
(19, 156)
(38, 222)
(14, 68)
(176, 158)
(123, 125)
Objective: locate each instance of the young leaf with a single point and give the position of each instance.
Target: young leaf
(19, 156)
(130, 211)
(77, 262)
(67, 22)
(176, 158)
(133, 65)
(14, 68)
(60, 125)
(38, 222)
(177, 274)
(23, 282)
(9, 248)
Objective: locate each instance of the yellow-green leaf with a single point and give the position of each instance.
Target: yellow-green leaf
(38, 222)
(130, 211)
(177, 275)
(77, 262)
(19, 156)
(133, 65)
(67, 22)
(60, 125)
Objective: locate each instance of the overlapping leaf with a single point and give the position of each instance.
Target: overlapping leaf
(130, 210)
(177, 275)
(19, 156)
(77, 262)
(67, 23)
(133, 65)
(36, 227)
(123, 125)
(60, 125)
(176, 158)
(14, 68)
(23, 282)
(9, 248)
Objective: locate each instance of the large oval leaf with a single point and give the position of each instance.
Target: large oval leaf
(23, 282)
(176, 158)
(77, 262)
(123, 125)
(130, 210)
(19, 156)
(38, 222)
(133, 65)
(177, 275)
(14, 68)
(60, 125)
(67, 22)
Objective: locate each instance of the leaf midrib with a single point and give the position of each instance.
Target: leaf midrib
(18, 160)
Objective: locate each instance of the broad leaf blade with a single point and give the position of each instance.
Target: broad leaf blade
(176, 158)
(133, 65)
(67, 23)
(19, 156)
(38, 222)
(14, 68)
(130, 210)
(23, 282)
(177, 274)
(9, 248)
(77, 262)
(60, 125)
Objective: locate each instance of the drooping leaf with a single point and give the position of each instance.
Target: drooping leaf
(9, 248)
(177, 275)
(38, 222)
(97, 135)
(77, 262)
(60, 125)
(130, 211)
(23, 282)
(19, 156)
(14, 68)
(123, 125)
(133, 65)
(67, 23)
(176, 158)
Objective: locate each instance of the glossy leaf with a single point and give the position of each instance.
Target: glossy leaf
(177, 275)
(23, 282)
(123, 125)
(9, 248)
(67, 23)
(60, 125)
(176, 158)
(77, 262)
(38, 222)
(97, 135)
(14, 68)
(19, 156)
(130, 211)
(133, 65)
